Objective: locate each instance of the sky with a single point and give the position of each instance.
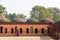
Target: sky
(25, 6)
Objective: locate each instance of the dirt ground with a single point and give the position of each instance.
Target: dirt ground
(25, 38)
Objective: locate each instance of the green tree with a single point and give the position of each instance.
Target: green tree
(2, 8)
(40, 12)
(2, 11)
(55, 13)
(22, 16)
(11, 16)
(14, 15)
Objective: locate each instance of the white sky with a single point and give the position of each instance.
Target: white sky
(25, 6)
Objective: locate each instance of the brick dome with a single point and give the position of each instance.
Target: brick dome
(18, 20)
(4, 20)
(32, 20)
(46, 20)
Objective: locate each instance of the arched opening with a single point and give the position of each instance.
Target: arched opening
(12, 30)
(31, 29)
(27, 30)
(48, 29)
(5, 30)
(36, 30)
(15, 28)
(20, 30)
(1, 29)
(42, 30)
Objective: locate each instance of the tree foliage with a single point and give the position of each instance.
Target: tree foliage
(22, 16)
(40, 12)
(2, 11)
(55, 12)
(14, 15)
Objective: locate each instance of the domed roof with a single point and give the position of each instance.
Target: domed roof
(18, 20)
(32, 20)
(47, 20)
(4, 20)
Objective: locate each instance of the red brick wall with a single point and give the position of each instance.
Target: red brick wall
(23, 26)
